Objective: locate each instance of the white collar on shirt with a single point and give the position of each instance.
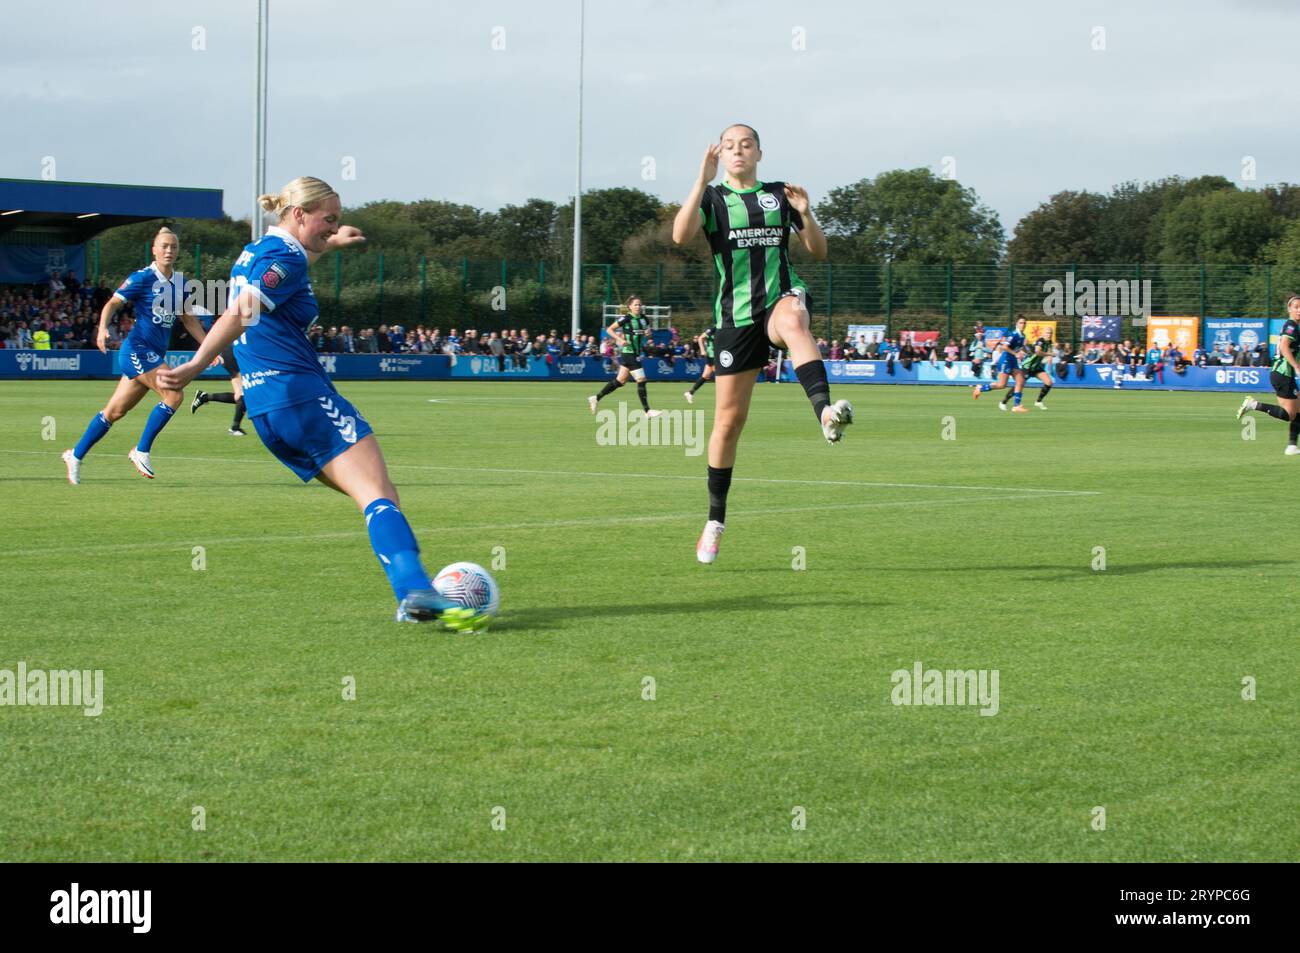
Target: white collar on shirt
(153, 266)
(285, 237)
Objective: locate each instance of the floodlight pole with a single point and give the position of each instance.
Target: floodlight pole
(259, 116)
(577, 195)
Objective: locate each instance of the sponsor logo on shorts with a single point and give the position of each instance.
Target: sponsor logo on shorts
(725, 359)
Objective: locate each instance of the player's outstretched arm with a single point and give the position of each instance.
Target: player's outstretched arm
(687, 223)
(346, 237)
(242, 311)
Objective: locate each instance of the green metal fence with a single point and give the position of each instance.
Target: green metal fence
(372, 287)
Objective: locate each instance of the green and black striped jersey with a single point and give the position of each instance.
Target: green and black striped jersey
(748, 233)
(708, 342)
(634, 329)
(1035, 360)
(1280, 364)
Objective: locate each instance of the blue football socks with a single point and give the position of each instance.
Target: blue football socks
(94, 433)
(395, 545)
(158, 419)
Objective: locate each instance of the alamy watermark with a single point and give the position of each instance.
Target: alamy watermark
(76, 688)
(667, 428)
(128, 907)
(932, 686)
(1122, 297)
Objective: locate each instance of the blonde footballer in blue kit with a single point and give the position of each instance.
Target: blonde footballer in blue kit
(155, 297)
(307, 424)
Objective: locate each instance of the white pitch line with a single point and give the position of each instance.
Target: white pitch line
(198, 539)
(606, 475)
(601, 474)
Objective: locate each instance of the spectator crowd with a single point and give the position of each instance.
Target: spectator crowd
(63, 313)
(510, 347)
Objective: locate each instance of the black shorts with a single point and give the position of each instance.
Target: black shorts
(631, 361)
(1283, 385)
(747, 348)
(229, 363)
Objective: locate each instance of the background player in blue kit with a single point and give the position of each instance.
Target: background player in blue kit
(309, 426)
(156, 295)
(1007, 366)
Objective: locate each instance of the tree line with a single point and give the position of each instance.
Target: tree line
(899, 216)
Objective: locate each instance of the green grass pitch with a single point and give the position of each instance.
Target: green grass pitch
(1119, 689)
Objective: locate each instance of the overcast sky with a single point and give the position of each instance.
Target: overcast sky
(1018, 94)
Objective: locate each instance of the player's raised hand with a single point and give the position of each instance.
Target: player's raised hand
(709, 167)
(798, 197)
(346, 236)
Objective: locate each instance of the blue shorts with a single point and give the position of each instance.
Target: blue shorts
(135, 361)
(305, 437)
(1007, 364)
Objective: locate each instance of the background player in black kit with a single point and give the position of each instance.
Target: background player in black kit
(236, 398)
(1283, 378)
(761, 302)
(705, 343)
(629, 333)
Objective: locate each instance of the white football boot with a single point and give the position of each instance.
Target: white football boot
(706, 550)
(141, 461)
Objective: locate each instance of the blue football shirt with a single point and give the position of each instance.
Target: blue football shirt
(278, 363)
(154, 302)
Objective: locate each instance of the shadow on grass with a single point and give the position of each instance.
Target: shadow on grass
(1037, 573)
(547, 617)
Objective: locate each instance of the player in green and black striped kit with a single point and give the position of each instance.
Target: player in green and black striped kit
(630, 333)
(705, 344)
(1283, 377)
(761, 302)
(1034, 365)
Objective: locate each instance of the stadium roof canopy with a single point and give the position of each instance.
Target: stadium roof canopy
(34, 211)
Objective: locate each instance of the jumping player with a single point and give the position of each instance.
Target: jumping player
(761, 302)
(307, 424)
(704, 342)
(1034, 366)
(1283, 378)
(629, 332)
(156, 295)
(1007, 366)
